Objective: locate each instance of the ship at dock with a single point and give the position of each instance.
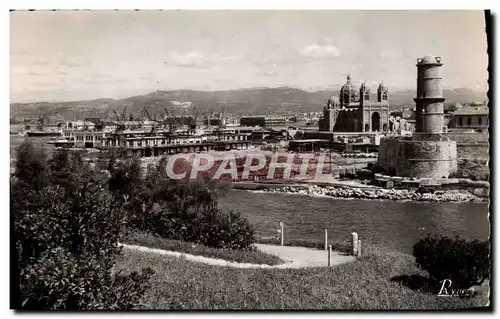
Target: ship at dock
(39, 128)
(42, 133)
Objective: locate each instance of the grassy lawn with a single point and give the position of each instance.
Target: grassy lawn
(366, 284)
(243, 256)
(343, 247)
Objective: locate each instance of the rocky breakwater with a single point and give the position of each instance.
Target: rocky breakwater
(376, 193)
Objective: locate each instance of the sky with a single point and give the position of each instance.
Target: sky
(70, 55)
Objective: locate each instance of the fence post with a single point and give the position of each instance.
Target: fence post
(329, 255)
(326, 239)
(359, 248)
(354, 237)
(282, 229)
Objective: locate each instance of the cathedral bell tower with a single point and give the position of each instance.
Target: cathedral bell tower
(364, 95)
(382, 93)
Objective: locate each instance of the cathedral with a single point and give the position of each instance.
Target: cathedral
(355, 112)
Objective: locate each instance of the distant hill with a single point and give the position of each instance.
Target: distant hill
(242, 101)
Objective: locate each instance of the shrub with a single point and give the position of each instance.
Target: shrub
(30, 165)
(59, 280)
(206, 225)
(464, 262)
(66, 242)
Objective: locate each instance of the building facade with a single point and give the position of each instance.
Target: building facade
(470, 117)
(355, 111)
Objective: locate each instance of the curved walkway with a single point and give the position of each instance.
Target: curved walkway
(294, 257)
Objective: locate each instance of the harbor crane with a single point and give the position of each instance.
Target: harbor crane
(120, 120)
(170, 121)
(104, 116)
(209, 120)
(222, 122)
(194, 119)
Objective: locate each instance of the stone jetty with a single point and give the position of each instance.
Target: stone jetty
(377, 193)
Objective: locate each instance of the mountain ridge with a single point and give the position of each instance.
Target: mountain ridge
(239, 101)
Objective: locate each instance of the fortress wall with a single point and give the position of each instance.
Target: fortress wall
(461, 137)
(429, 159)
(388, 153)
(471, 146)
(420, 159)
(473, 151)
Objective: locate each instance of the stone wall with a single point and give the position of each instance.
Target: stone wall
(428, 159)
(463, 137)
(418, 158)
(471, 146)
(473, 151)
(388, 153)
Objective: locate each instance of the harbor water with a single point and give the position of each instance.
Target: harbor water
(394, 224)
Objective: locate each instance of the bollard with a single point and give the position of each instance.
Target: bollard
(359, 248)
(326, 239)
(282, 228)
(329, 255)
(354, 236)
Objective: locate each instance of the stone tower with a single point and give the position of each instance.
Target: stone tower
(428, 153)
(429, 100)
(364, 94)
(330, 112)
(382, 93)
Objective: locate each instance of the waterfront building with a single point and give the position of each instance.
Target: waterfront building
(470, 117)
(79, 125)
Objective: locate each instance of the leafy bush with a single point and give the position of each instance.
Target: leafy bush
(30, 166)
(204, 225)
(465, 263)
(59, 280)
(66, 241)
(187, 210)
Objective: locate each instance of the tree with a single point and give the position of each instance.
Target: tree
(66, 240)
(30, 166)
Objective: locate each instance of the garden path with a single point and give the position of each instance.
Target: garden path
(294, 257)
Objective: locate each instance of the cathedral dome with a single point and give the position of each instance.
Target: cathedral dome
(348, 86)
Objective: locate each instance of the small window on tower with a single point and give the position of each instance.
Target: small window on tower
(384, 96)
(367, 96)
